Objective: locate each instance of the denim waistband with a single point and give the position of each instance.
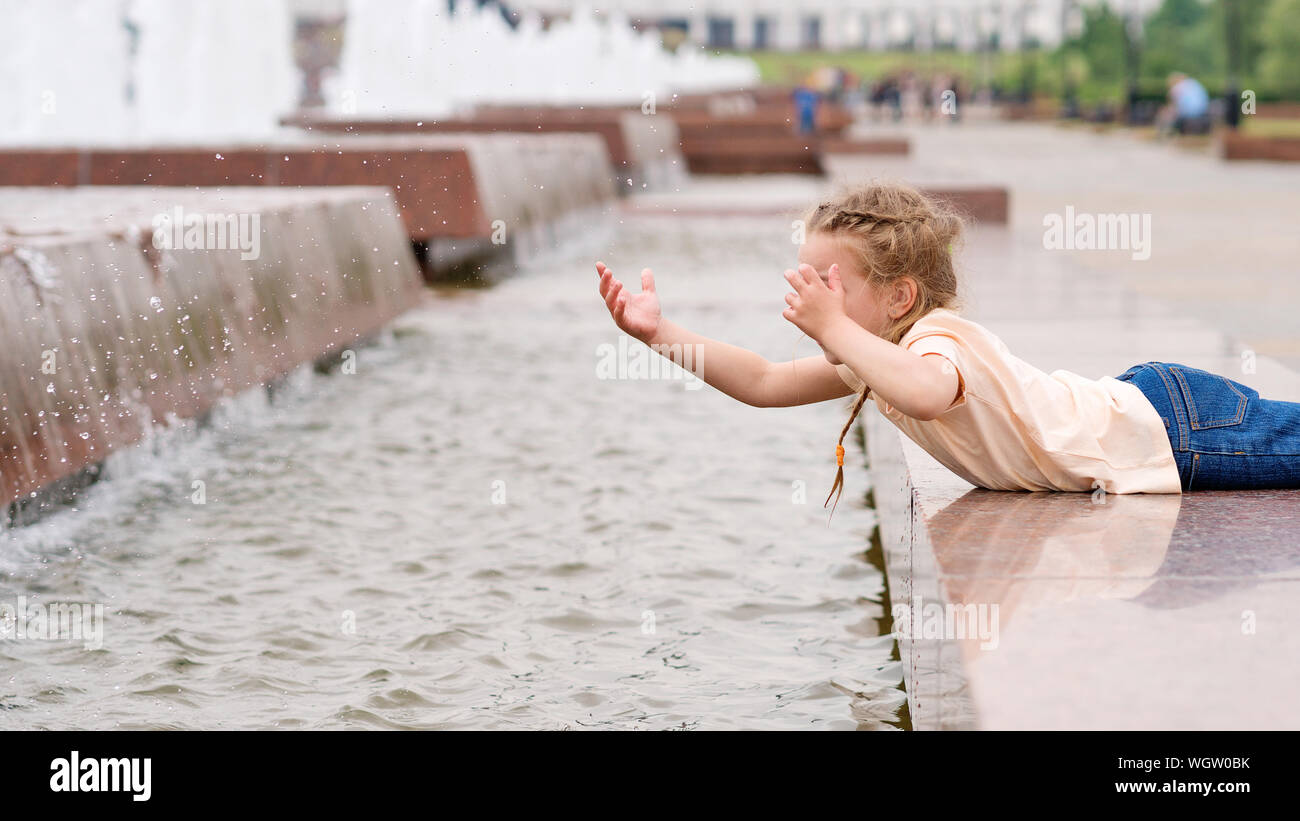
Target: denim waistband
(1157, 385)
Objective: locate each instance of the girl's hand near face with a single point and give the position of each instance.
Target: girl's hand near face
(816, 305)
(637, 314)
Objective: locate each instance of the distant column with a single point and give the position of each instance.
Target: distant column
(968, 31)
(698, 28)
(923, 29)
(743, 26)
(878, 30)
(853, 24)
(831, 33)
(786, 34)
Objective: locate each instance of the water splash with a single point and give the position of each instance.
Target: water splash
(420, 60)
(107, 71)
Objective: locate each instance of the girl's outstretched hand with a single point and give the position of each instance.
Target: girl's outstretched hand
(637, 314)
(814, 305)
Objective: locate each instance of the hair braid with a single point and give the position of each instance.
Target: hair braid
(837, 489)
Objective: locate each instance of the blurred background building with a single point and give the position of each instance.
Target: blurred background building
(789, 25)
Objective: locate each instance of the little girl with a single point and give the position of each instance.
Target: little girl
(875, 288)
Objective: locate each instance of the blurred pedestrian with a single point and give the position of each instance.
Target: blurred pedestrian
(805, 103)
(1188, 110)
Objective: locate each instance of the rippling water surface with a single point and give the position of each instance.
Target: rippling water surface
(474, 531)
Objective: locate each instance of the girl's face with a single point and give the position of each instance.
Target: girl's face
(862, 302)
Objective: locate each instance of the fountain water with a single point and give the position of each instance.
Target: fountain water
(65, 66)
(212, 68)
(104, 71)
(424, 61)
(216, 72)
(107, 335)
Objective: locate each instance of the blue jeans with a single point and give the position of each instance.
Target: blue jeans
(1223, 435)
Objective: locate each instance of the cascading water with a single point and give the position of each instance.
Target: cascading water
(157, 71)
(224, 565)
(212, 68)
(65, 70)
(105, 334)
(425, 61)
(105, 71)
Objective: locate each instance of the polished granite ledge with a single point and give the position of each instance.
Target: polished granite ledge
(1090, 612)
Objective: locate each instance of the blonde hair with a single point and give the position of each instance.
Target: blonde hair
(896, 232)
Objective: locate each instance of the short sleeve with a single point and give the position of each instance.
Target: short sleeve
(850, 378)
(937, 344)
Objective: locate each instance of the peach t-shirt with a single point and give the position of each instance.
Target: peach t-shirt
(1014, 427)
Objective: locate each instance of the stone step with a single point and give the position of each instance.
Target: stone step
(112, 323)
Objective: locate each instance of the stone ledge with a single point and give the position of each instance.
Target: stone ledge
(106, 335)
(447, 186)
(1113, 612)
(641, 148)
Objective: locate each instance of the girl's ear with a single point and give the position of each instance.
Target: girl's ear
(902, 297)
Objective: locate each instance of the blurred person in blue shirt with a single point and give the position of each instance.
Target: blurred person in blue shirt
(1188, 111)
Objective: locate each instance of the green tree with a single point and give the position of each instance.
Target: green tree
(1246, 38)
(1279, 66)
(1102, 45)
(1180, 36)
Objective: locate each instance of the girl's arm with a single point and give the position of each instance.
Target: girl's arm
(744, 375)
(737, 372)
(921, 387)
